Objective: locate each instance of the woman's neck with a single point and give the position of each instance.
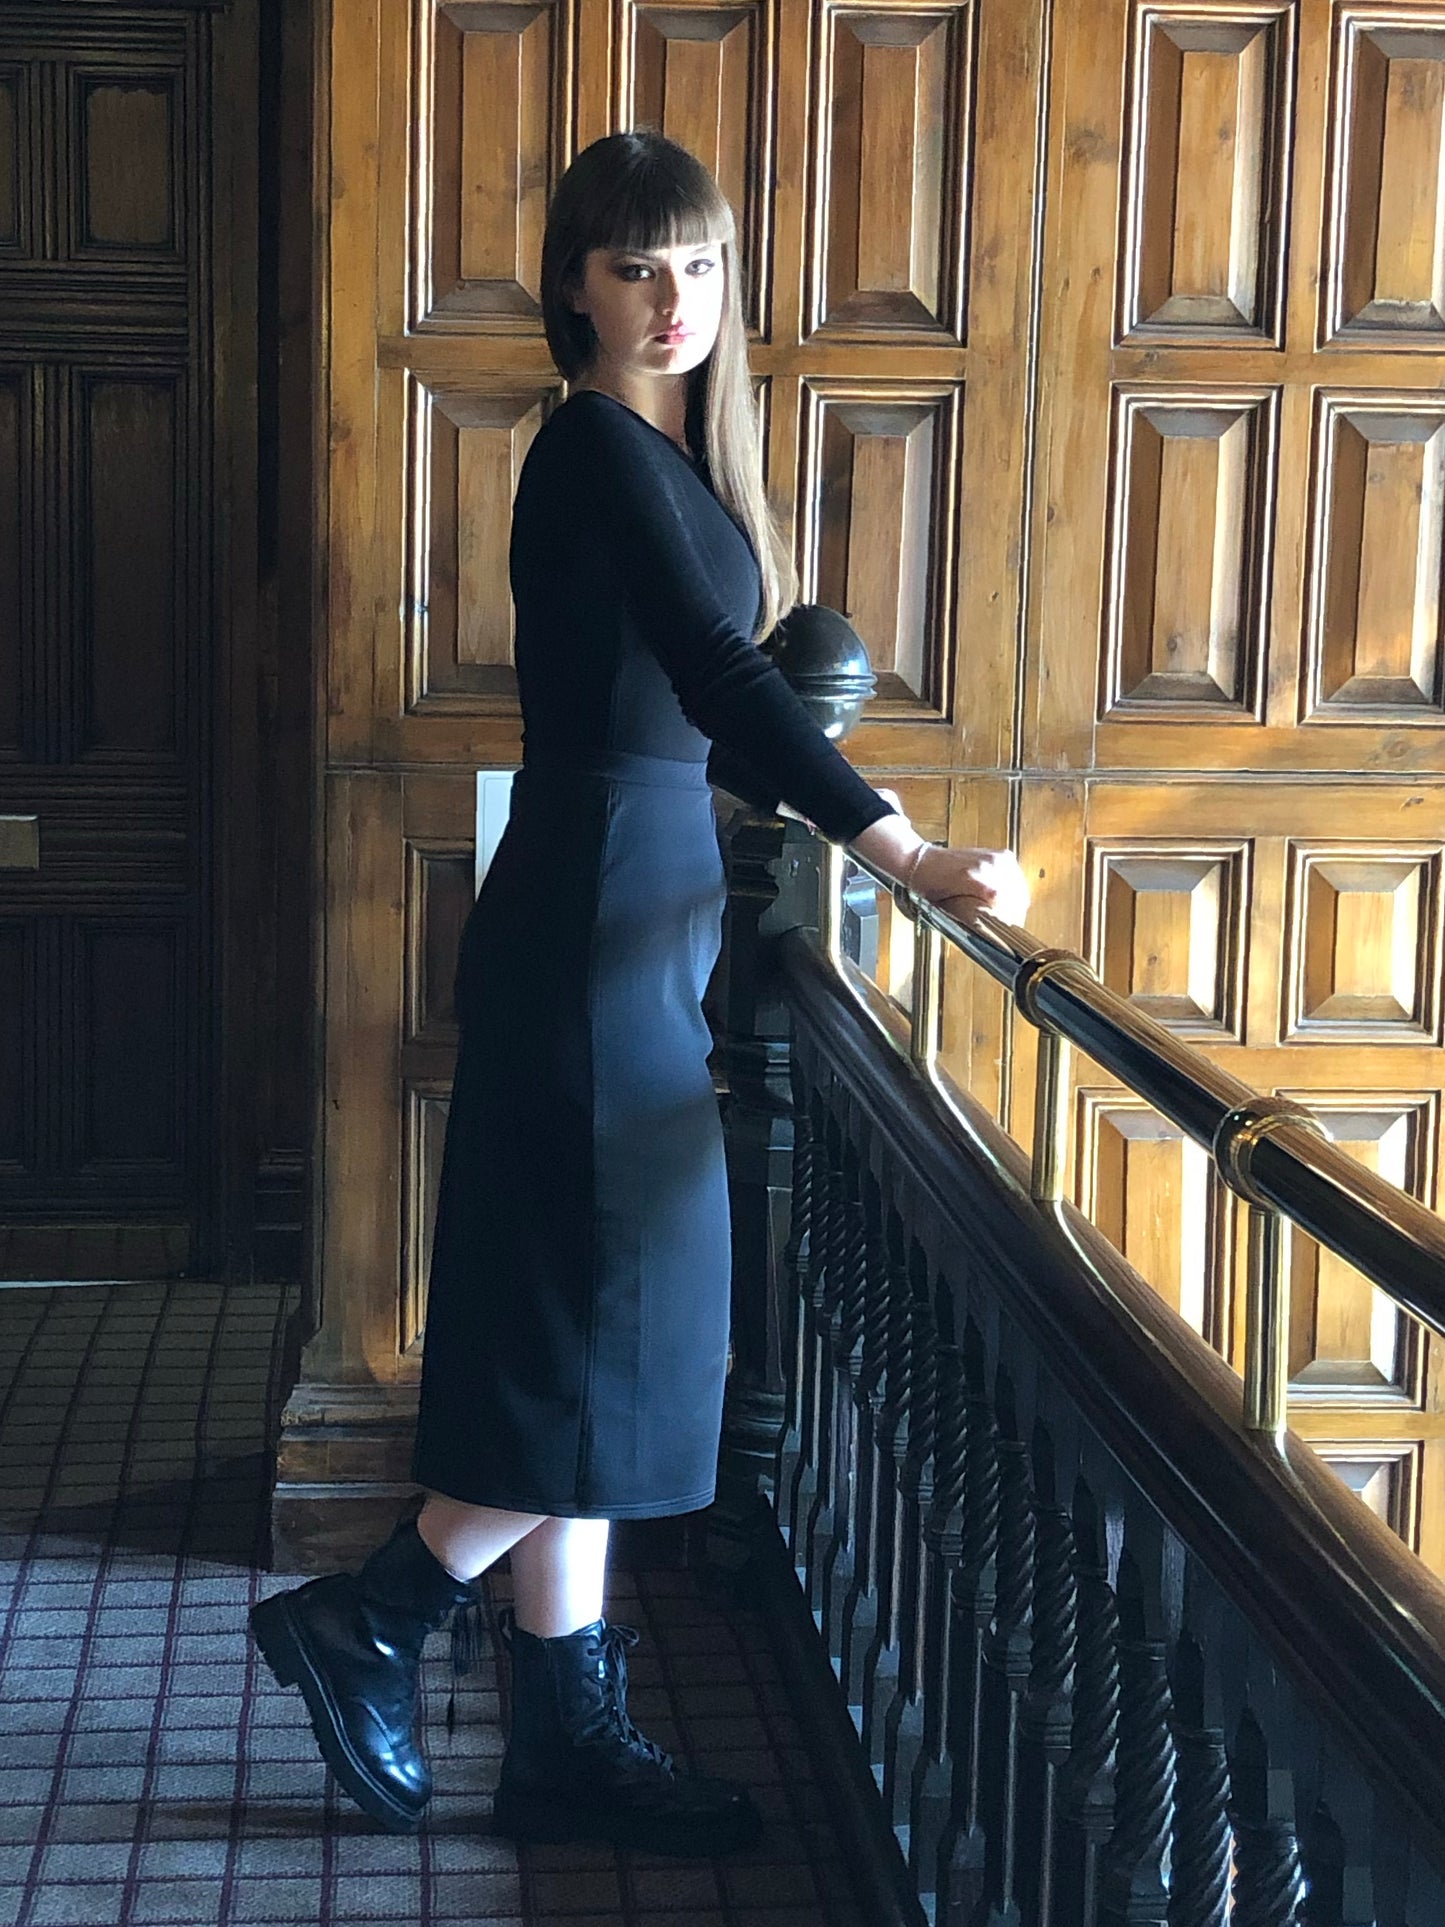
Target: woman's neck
(662, 402)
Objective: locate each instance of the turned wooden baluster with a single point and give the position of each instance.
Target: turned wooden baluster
(795, 1267)
(1086, 1784)
(858, 1611)
(1322, 1849)
(962, 1851)
(1339, 1847)
(818, 1525)
(1006, 1664)
(1199, 1884)
(837, 1572)
(1268, 1882)
(837, 1238)
(930, 1794)
(880, 1665)
(1135, 1886)
(903, 1722)
(807, 1474)
(1046, 1724)
(810, 1285)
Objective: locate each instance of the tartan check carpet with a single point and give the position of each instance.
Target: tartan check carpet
(150, 1769)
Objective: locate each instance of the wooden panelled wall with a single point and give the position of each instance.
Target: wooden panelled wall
(1101, 347)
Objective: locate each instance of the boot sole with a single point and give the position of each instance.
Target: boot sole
(282, 1645)
(544, 1819)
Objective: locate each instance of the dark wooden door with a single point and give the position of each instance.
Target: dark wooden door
(118, 520)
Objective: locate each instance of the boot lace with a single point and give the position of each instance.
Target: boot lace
(617, 1643)
(470, 1645)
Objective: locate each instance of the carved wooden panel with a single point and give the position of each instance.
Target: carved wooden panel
(1363, 933)
(1205, 175)
(127, 457)
(427, 1104)
(488, 128)
(1375, 642)
(440, 887)
(1384, 279)
(125, 163)
(877, 528)
(15, 523)
(1385, 1476)
(1189, 555)
(1154, 1195)
(20, 1023)
(890, 160)
(15, 174)
(466, 449)
(701, 74)
(434, 861)
(1167, 928)
(1347, 1340)
(132, 1012)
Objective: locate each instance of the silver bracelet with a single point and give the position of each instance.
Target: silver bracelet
(913, 862)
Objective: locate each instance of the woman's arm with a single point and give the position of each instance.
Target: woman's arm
(735, 694)
(727, 687)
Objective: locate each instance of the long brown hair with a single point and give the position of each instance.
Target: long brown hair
(640, 190)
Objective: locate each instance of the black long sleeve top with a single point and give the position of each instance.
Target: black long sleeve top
(636, 596)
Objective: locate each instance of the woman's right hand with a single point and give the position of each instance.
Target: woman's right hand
(963, 882)
(966, 882)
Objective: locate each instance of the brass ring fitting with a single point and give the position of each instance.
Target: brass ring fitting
(1239, 1131)
(1037, 970)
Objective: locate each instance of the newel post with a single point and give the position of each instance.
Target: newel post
(773, 870)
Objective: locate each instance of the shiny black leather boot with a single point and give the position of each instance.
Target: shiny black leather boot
(576, 1768)
(352, 1642)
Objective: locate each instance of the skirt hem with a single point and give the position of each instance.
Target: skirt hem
(547, 1509)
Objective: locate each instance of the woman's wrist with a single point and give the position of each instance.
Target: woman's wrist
(892, 844)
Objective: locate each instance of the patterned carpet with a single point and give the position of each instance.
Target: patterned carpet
(150, 1770)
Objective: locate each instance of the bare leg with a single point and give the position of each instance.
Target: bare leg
(469, 1538)
(558, 1575)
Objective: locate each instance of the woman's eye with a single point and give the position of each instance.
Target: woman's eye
(634, 270)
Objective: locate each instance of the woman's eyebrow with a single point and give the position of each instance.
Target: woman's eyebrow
(656, 254)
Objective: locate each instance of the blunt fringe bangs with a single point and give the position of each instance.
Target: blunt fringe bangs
(641, 190)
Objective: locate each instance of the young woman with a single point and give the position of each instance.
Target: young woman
(577, 1324)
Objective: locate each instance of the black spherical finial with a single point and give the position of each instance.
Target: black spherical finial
(824, 658)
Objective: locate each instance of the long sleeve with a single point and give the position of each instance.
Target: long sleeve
(638, 490)
(732, 772)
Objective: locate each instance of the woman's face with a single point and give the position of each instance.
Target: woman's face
(637, 299)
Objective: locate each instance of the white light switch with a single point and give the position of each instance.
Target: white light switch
(494, 806)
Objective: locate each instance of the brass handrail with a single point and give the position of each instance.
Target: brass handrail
(1268, 1150)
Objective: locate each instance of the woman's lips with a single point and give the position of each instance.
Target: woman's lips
(676, 334)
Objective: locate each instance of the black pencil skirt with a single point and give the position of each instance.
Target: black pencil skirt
(577, 1317)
